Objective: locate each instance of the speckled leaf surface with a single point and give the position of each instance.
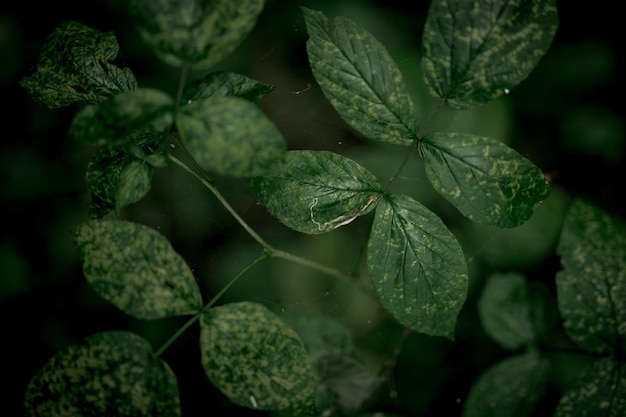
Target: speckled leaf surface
(134, 183)
(317, 191)
(417, 266)
(359, 78)
(135, 268)
(108, 374)
(510, 388)
(198, 32)
(514, 312)
(223, 83)
(256, 360)
(474, 51)
(230, 136)
(591, 288)
(487, 181)
(599, 391)
(122, 117)
(75, 66)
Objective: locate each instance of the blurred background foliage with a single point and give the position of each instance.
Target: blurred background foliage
(567, 117)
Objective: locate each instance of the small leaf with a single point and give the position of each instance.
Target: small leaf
(121, 118)
(230, 136)
(221, 83)
(591, 288)
(417, 267)
(135, 268)
(360, 79)
(475, 51)
(197, 32)
(349, 380)
(108, 374)
(256, 360)
(317, 191)
(599, 391)
(510, 388)
(134, 183)
(487, 181)
(74, 66)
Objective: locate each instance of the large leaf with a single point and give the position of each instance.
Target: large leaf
(591, 288)
(599, 391)
(417, 266)
(474, 51)
(108, 374)
(359, 78)
(510, 388)
(197, 32)
(135, 268)
(256, 360)
(230, 136)
(487, 181)
(74, 66)
(121, 118)
(222, 83)
(317, 191)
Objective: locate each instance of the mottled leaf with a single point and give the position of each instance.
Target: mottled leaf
(222, 83)
(75, 66)
(591, 288)
(359, 78)
(510, 388)
(487, 181)
(135, 268)
(514, 312)
(417, 266)
(134, 183)
(121, 118)
(108, 374)
(230, 136)
(474, 51)
(256, 360)
(317, 191)
(196, 32)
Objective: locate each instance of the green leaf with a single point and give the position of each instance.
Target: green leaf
(256, 360)
(134, 183)
(196, 32)
(121, 118)
(510, 388)
(360, 79)
(475, 51)
(317, 191)
(74, 66)
(222, 83)
(417, 267)
(487, 181)
(230, 136)
(514, 312)
(108, 374)
(599, 391)
(591, 288)
(135, 268)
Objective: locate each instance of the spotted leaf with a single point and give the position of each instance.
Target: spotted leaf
(417, 266)
(487, 181)
(256, 360)
(135, 268)
(474, 51)
(108, 374)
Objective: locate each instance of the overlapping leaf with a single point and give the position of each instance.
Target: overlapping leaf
(484, 179)
(135, 268)
(417, 266)
(256, 360)
(197, 32)
(359, 78)
(474, 51)
(591, 288)
(222, 83)
(317, 191)
(75, 66)
(108, 374)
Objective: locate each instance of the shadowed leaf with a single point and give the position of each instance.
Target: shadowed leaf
(221, 83)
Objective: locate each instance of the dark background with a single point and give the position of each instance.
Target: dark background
(567, 117)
